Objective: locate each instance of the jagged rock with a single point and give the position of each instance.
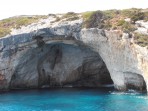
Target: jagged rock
(70, 56)
(58, 65)
(120, 56)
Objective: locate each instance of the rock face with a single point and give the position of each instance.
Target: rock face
(122, 57)
(66, 55)
(56, 64)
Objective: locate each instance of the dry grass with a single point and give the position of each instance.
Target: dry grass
(16, 22)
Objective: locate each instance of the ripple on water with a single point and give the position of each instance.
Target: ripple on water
(73, 99)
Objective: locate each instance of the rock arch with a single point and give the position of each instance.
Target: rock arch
(121, 56)
(60, 65)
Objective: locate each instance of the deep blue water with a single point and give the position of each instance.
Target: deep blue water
(72, 99)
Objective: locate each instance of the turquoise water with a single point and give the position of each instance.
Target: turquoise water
(72, 100)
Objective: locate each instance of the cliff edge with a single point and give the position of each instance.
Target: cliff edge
(62, 51)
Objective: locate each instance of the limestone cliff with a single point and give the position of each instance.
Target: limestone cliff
(64, 54)
(126, 61)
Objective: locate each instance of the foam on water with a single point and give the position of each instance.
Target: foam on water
(129, 92)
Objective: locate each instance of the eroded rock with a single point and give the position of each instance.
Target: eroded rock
(70, 56)
(59, 65)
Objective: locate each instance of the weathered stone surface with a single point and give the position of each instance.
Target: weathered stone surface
(25, 65)
(121, 56)
(58, 64)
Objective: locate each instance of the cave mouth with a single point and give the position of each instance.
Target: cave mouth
(91, 73)
(67, 64)
(135, 82)
(84, 67)
(60, 64)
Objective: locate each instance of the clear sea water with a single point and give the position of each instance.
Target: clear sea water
(72, 99)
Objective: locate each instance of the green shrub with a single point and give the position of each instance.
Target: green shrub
(86, 15)
(128, 27)
(107, 25)
(4, 32)
(133, 13)
(16, 22)
(93, 19)
(137, 16)
(121, 22)
(72, 18)
(111, 13)
(145, 16)
(141, 39)
(24, 21)
(129, 12)
(69, 15)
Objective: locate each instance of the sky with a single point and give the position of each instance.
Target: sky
(9, 8)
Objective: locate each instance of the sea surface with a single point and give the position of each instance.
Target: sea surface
(73, 99)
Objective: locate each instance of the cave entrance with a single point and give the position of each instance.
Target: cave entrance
(61, 64)
(135, 81)
(92, 73)
(77, 66)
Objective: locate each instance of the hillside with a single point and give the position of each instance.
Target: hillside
(132, 21)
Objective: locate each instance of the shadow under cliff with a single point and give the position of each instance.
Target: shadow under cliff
(60, 65)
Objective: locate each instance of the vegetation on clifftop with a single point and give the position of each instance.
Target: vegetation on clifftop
(141, 39)
(16, 22)
(109, 19)
(93, 19)
(113, 19)
(118, 20)
(70, 16)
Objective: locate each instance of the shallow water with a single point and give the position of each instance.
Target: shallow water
(73, 99)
